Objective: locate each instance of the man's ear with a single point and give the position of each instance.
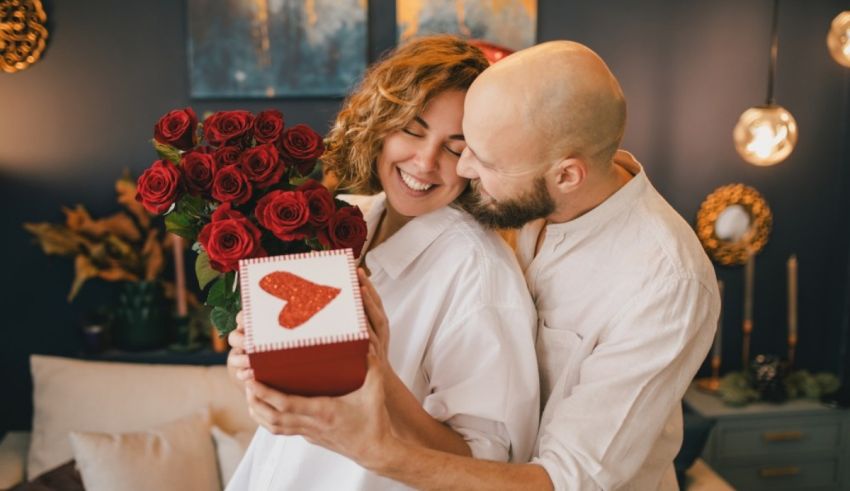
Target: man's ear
(569, 173)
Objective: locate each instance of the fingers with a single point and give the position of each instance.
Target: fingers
(278, 422)
(238, 359)
(245, 374)
(316, 407)
(236, 338)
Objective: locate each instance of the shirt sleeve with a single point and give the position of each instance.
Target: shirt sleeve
(600, 433)
(482, 372)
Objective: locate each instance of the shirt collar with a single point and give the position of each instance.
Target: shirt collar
(409, 242)
(616, 204)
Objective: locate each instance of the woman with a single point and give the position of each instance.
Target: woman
(462, 339)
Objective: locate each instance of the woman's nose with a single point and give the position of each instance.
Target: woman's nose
(428, 156)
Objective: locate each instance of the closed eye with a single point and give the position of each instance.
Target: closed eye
(453, 152)
(412, 133)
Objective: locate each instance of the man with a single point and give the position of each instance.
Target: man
(627, 299)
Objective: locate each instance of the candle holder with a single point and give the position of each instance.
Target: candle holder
(792, 348)
(745, 348)
(711, 384)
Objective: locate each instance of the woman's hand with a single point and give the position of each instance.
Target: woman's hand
(238, 364)
(379, 326)
(356, 425)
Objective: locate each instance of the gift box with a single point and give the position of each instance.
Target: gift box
(305, 329)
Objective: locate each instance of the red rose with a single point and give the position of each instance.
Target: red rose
(284, 213)
(262, 165)
(198, 171)
(158, 186)
(268, 126)
(230, 185)
(319, 200)
(346, 228)
(230, 237)
(228, 128)
(177, 128)
(228, 155)
(302, 146)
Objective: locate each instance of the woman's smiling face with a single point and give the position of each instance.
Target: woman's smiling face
(417, 165)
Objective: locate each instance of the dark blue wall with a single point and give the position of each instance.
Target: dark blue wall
(71, 123)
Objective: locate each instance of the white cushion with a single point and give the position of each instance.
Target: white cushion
(176, 456)
(13, 457)
(75, 395)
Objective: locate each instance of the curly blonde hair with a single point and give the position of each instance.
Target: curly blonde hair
(394, 91)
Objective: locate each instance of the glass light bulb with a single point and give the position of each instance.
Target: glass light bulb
(838, 38)
(765, 135)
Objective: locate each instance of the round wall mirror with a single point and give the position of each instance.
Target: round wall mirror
(733, 223)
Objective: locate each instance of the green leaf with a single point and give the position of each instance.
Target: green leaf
(222, 294)
(297, 180)
(218, 293)
(204, 271)
(182, 225)
(193, 206)
(223, 320)
(167, 152)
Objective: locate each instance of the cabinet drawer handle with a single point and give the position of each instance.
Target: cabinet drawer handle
(782, 436)
(791, 470)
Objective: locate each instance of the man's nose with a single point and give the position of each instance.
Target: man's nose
(465, 167)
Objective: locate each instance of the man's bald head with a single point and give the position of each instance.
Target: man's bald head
(558, 99)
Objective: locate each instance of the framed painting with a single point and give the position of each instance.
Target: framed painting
(275, 48)
(508, 23)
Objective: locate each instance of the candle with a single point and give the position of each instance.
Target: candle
(792, 297)
(179, 276)
(749, 277)
(717, 349)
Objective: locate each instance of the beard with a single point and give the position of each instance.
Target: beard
(512, 213)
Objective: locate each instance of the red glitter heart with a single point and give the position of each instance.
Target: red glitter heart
(304, 299)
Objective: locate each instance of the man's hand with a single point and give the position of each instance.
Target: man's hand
(237, 361)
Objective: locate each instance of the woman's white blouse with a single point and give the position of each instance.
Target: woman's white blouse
(462, 332)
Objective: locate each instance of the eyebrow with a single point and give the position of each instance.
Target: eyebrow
(424, 124)
(487, 164)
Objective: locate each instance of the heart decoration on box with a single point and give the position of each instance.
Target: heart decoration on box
(303, 298)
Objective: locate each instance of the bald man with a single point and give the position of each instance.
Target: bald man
(626, 298)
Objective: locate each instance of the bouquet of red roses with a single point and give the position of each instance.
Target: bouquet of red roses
(238, 186)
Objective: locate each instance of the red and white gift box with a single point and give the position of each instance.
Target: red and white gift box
(305, 329)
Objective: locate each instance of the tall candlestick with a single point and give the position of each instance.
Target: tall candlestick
(792, 308)
(717, 349)
(180, 277)
(749, 285)
(792, 296)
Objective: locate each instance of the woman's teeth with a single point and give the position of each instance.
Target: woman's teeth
(414, 183)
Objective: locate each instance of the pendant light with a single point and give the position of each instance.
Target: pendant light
(838, 38)
(766, 135)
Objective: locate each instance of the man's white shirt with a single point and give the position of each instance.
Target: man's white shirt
(627, 306)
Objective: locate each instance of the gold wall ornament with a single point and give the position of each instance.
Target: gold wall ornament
(23, 34)
(733, 223)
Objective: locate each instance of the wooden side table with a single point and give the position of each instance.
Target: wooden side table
(800, 444)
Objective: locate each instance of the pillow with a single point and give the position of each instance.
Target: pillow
(175, 456)
(75, 395)
(66, 477)
(230, 449)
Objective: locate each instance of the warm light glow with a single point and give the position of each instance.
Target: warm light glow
(838, 38)
(765, 135)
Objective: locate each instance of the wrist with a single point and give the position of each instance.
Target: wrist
(389, 456)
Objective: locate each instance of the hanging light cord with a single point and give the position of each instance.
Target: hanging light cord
(774, 50)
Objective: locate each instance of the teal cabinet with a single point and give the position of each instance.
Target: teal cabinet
(799, 444)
